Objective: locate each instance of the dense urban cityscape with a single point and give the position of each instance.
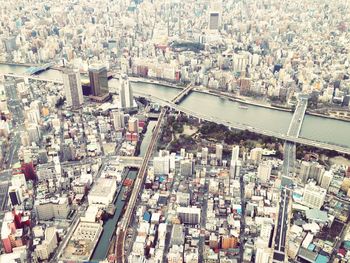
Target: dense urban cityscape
(196, 131)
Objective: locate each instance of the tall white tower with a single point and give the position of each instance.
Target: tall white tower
(126, 97)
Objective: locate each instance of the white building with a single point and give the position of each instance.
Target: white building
(161, 165)
(126, 98)
(264, 172)
(48, 246)
(103, 191)
(314, 195)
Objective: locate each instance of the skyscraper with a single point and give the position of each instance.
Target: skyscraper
(118, 120)
(98, 80)
(126, 98)
(218, 153)
(215, 15)
(264, 172)
(235, 153)
(72, 88)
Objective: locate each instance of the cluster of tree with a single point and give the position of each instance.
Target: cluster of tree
(60, 102)
(220, 132)
(183, 141)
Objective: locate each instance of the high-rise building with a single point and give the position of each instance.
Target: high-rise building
(304, 171)
(72, 88)
(235, 153)
(98, 80)
(264, 172)
(126, 98)
(204, 155)
(235, 168)
(118, 120)
(326, 179)
(161, 165)
(186, 167)
(133, 125)
(189, 215)
(215, 15)
(14, 196)
(214, 20)
(218, 153)
(256, 154)
(314, 195)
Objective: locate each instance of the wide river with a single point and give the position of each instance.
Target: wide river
(314, 128)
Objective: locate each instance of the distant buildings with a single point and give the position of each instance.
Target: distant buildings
(73, 89)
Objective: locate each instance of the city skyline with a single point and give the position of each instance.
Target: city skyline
(174, 131)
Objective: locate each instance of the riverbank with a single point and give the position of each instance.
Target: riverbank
(19, 64)
(327, 116)
(155, 82)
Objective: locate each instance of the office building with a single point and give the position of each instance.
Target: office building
(314, 195)
(186, 167)
(118, 120)
(98, 80)
(126, 98)
(52, 208)
(189, 215)
(215, 15)
(264, 172)
(14, 196)
(235, 168)
(72, 88)
(204, 155)
(161, 165)
(44, 250)
(304, 171)
(177, 235)
(256, 154)
(235, 153)
(326, 179)
(218, 153)
(103, 191)
(133, 125)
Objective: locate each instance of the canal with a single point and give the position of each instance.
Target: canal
(314, 128)
(109, 226)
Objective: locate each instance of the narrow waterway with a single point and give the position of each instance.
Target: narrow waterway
(101, 250)
(109, 226)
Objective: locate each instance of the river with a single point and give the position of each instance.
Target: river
(314, 128)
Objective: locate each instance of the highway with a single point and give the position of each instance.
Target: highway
(287, 180)
(122, 228)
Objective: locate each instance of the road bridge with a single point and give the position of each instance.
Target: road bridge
(287, 179)
(38, 69)
(33, 77)
(179, 97)
(130, 161)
